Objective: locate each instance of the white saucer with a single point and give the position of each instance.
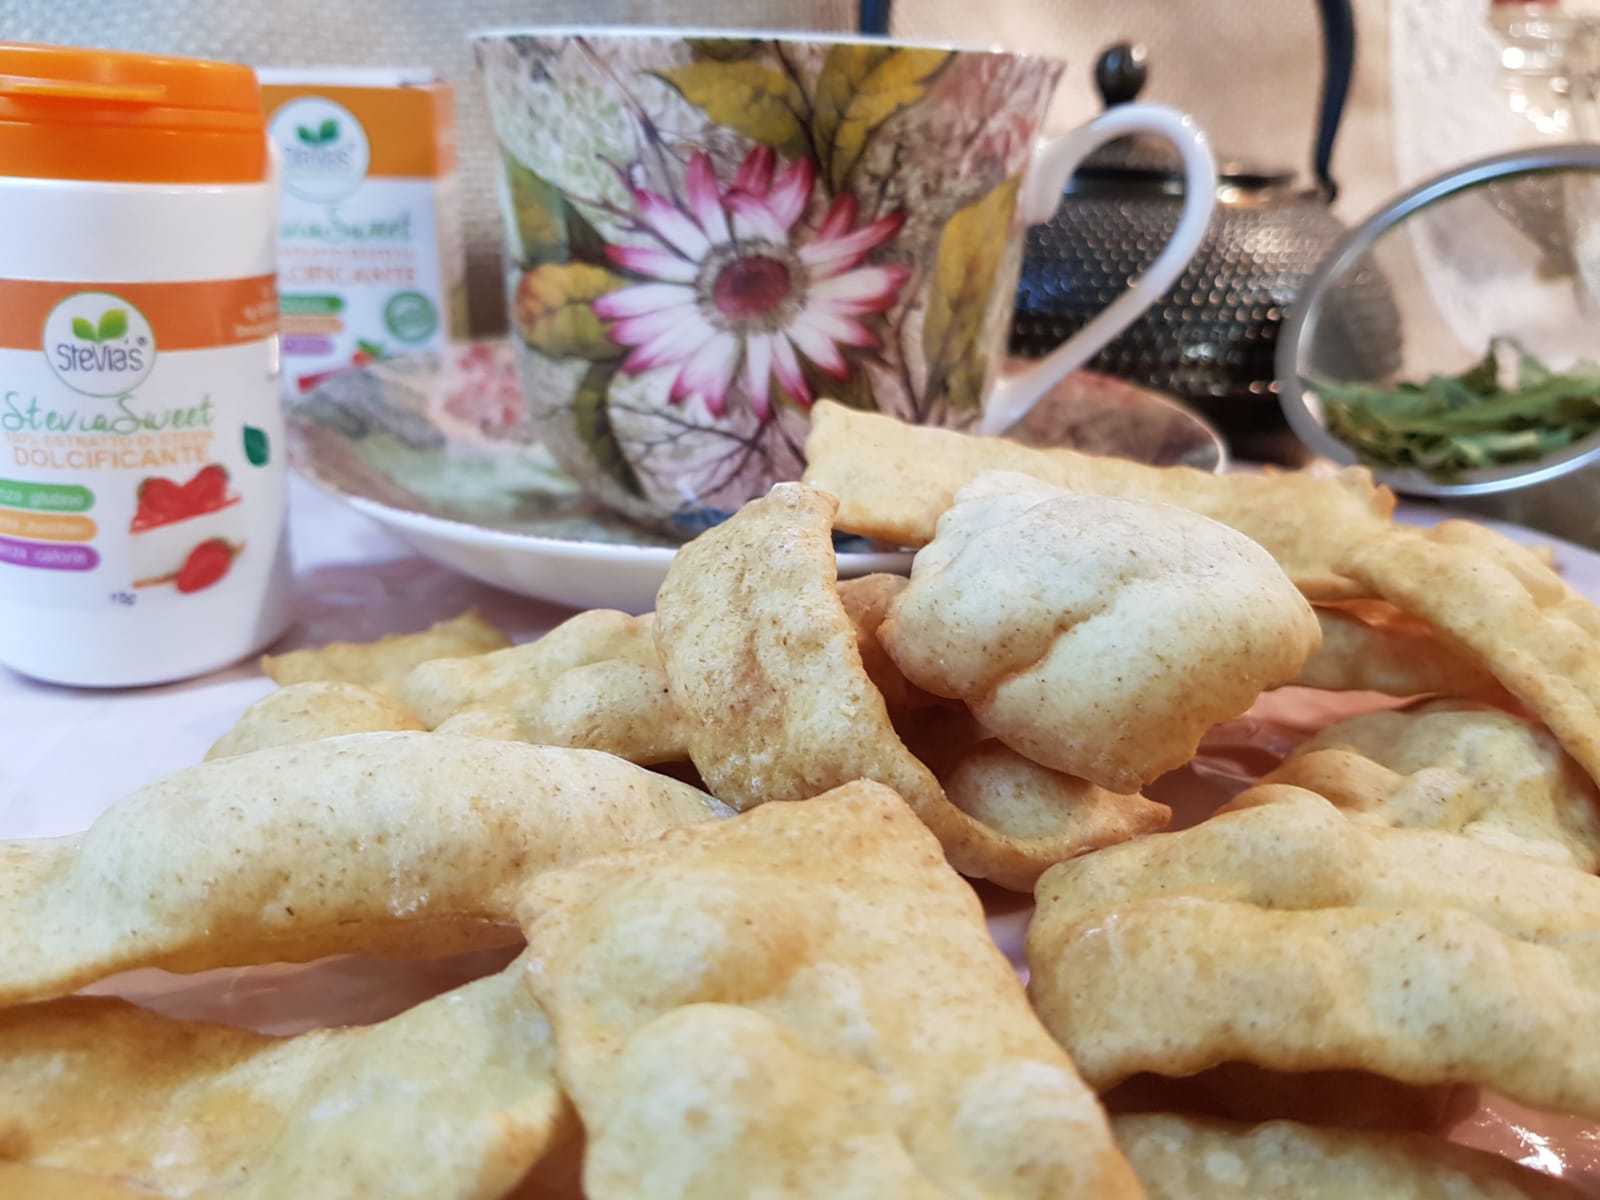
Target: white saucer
(576, 574)
(436, 449)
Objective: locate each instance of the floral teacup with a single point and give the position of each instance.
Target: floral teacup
(709, 232)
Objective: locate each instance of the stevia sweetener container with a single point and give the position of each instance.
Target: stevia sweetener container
(141, 445)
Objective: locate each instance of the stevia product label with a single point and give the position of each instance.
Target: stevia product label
(371, 261)
(140, 439)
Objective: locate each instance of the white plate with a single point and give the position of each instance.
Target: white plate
(576, 574)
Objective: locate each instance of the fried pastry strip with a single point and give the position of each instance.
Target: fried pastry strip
(309, 712)
(398, 844)
(1457, 766)
(1495, 602)
(382, 664)
(1190, 1158)
(455, 1099)
(1096, 635)
(893, 480)
(592, 683)
(1371, 647)
(1285, 935)
(803, 1002)
(765, 665)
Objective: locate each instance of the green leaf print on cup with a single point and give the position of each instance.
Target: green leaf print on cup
(749, 97)
(83, 330)
(553, 313)
(860, 88)
(970, 249)
(591, 410)
(548, 227)
(853, 391)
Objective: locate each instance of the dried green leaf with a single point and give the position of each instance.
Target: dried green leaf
(749, 97)
(861, 86)
(971, 247)
(1483, 376)
(554, 312)
(1448, 424)
(592, 413)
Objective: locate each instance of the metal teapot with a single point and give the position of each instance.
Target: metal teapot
(1211, 340)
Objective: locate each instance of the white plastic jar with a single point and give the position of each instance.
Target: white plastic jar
(141, 439)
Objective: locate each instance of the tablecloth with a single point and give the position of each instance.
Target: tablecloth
(66, 754)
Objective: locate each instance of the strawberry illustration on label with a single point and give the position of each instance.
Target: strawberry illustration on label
(160, 501)
(186, 533)
(207, 564)
(365, 354)
(208, 489)
(163, 501)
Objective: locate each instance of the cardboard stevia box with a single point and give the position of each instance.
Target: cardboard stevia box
(371, 261)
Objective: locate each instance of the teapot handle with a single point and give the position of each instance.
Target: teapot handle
(1338, 61)
(1120, 73)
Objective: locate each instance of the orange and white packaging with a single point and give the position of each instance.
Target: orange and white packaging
(141, 433)
(371, 259)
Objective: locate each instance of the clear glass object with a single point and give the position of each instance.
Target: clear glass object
(1548, 68)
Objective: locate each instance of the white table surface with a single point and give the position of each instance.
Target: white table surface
(67, 754)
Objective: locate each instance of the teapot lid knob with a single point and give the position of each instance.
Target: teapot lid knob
(1120, 73)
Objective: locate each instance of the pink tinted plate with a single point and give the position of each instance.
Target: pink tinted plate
(286, 999)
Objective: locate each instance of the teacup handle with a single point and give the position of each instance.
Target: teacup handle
(1054, 161)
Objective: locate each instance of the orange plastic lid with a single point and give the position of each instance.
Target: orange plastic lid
(72, 113)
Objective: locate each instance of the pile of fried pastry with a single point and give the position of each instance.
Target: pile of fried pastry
(734, 839)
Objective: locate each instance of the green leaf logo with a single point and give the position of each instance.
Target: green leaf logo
(256, 446)
(98, 344)
(113, 324)
(327, 132)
